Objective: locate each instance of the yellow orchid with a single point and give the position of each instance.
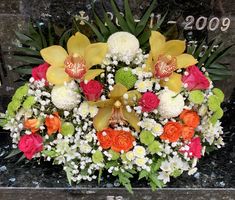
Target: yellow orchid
(113, 110)
(81, 56)
(167, 56)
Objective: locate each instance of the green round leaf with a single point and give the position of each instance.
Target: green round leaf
(97, 157)
(125, 77)
(146, 137)
(219, 94)
(115, 155)
(29, 102)
(196, 96)
(154, 147)
(21, 92)
(213, 103)
(67, 128)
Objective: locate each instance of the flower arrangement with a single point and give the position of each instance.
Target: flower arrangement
(110, 106)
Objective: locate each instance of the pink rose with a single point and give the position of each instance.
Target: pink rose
(149, 101)
(30, 145)
(195, 79)
(39, 72)
(195, 148)
(92, 90)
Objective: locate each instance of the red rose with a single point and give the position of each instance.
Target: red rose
(39, 72)
(195, 148)
(92, 90)
(30, 145)
(149, 101)
(195, 79)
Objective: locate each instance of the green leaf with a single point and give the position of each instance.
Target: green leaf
(143, 22)
(22, 37)
(20, 159)
(24, 70)
(29, 59)
(144, 37)
(156, 165)
(217, 55)
(64, 38)
(50, 37)
(221, 72)
(123, 24)
(155, 180)
(68, 171)
(129, 16)
(101, 26)
(159, 22)
(27, 51)
(199, 49)
(112, 28)
(95, 30)
(100, 175)
(43, 38)
(143, 174)
(13, 153)
(34, 34)
(112, 163)
(207, 53)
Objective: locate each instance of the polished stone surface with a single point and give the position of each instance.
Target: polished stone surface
(15, 14)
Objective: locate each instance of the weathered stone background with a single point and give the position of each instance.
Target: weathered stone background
(15, 14)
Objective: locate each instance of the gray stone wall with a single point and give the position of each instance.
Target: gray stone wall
(15, 14)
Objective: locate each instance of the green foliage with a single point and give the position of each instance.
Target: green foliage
(219, 93)
(67, 128)
(196, 96)
(32, 41)
(209, 55)
(125, 77)
(115, 155)
(213, 102)
(146, 137)
(126, 22)
(154, 147)
(97, 157)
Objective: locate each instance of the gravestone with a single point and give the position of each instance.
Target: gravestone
(193, 18)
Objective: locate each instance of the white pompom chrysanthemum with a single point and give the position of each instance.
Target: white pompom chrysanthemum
(64, 97)
(123, 45)
(171, 104)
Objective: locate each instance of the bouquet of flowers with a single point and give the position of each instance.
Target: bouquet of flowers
(111, 106)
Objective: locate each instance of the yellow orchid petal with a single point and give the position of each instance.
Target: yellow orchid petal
(54, 55)
(185, 60)
(149, 63)
(57, 75)
(118, 91)
(101, 120)
(174, 47)
(77, 44)
(132, 119)
(174, 83)
(95, 54)
(101, 104)
(92, 73)
(157, 43)
(133, 97)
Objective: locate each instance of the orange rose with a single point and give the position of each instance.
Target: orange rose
(53, 123)
(123, 140)
(172, 131)
(187, 132)
(190, 118)
(106, 137)
(32, 124)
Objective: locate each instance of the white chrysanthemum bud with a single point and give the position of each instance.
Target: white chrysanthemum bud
(123, 45)
(171, 104)
(64, 97)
